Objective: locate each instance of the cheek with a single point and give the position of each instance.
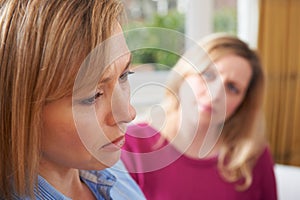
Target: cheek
(63, 136)
(195, 87)
(186, 97)
(90, 127)
(231, 105)
(60, 137)
(59, 126)
(193, 81)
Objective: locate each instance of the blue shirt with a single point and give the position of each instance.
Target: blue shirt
(113, 183)
(125, 187)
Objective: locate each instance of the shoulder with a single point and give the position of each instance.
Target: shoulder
(264, 167)
(142, 141)
(264, 176)
(265, 159)
(125, 187)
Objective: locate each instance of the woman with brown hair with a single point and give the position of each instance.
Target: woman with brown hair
(206, 141)
(63, 65)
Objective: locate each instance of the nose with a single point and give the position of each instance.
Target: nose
(132, 112)
(122, 110)
(216, 90)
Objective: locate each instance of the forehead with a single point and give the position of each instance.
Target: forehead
(234, 68)
(116, 44)
(105, 61)
(117, 51)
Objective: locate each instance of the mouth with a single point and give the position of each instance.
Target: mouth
(206, 108)
(115, 145)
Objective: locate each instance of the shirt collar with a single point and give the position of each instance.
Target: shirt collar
(99, 182)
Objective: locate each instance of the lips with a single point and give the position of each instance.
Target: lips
(115, 145)
(205, 108)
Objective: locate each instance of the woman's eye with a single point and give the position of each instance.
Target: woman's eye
(124, 76)
(91, 100)
(208, 75)
(232, 88)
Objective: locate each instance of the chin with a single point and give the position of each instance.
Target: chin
(109, 159)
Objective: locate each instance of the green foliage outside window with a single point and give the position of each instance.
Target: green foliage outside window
(165, 59)
(225, 20)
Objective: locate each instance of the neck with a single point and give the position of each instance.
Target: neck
(65, 180)
(200, 142)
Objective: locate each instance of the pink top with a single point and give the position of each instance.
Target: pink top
(164, 174)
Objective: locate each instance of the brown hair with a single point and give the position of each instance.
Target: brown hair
(242, 135)
(43, 44)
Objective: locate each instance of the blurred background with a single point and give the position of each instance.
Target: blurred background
(192, 18)
(272, 27)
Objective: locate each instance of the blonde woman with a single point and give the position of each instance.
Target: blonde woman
(206, 141)
(63, 64)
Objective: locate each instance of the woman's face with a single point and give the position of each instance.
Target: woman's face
(218, 92)
(88, 133)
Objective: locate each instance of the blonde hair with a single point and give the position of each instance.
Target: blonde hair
(242, 135)
(43, 44)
